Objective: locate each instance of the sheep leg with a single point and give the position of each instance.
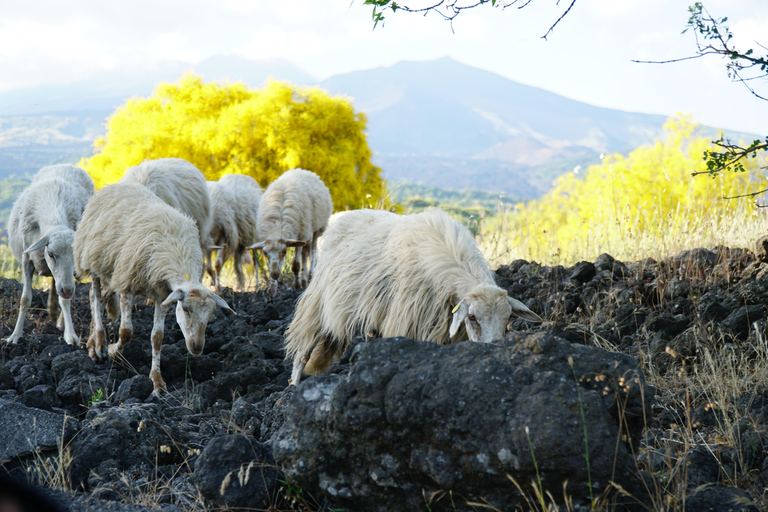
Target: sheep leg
(305, 266)
(97, 341)
(313, 363)
(157, 344)
(208, 267)
(126, 324)
(66, 316)
(218, 265)
(299, 363)
(313, 251)
(26, 298)
(322, 357)
(296, 267)
(53, 303)
(238, 264)
(257, 267)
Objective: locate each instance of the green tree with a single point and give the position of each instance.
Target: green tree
(230, 128)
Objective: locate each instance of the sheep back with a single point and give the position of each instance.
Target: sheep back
(68, 172)
(294, 207)
(50, 200)
(136, 243)
(389, 275)
(235, 201)
(178, 183)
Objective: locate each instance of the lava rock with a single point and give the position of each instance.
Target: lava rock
(25, 430)
(415, 419)
(236, 471)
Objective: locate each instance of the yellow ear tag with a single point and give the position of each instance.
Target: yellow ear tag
(456, 308)
(186, 276)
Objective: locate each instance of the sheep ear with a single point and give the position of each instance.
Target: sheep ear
(41, 242)
(259, 246)
(460, 313)
(295, 243)
(222, 304)
(521, 310)
(173, 297)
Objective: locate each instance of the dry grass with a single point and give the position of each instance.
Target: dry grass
(505, 236)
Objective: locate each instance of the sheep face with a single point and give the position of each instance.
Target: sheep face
(56, 248)
(485, 314)
(274, 251)
(194, 307)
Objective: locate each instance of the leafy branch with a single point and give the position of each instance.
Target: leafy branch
(714, 37)
(449, 10)
(731, 156)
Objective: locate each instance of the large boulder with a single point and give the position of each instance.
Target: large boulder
(415, 422)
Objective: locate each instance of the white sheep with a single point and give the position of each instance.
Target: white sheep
(420, 276)
(134, 243)
(181, 185)
(41, 231)
(294, 212)
(235, 202)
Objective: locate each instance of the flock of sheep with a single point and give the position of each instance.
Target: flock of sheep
(153, 235)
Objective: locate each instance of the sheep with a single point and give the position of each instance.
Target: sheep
(235, 202)
(134, 243)
(181, 185)
(41, 232)
(294, 212)
(421, 276)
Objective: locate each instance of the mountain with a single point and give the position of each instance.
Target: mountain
(438, 123)
(445, 108)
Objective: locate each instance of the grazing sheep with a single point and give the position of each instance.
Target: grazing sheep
(134, 243)
(181, 185)
(41, 232)
(294, 212)
(420, 276)
(235, 202)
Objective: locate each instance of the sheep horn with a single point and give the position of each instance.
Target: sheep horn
(521, 310)
(173, 297)
(39, 244)
(222, 304)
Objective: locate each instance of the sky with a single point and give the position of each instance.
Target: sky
(588, 57)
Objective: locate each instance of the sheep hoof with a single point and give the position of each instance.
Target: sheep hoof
(13, 340)
(72, 340)
(113, 350)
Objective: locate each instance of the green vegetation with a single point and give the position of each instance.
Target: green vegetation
(464, 205)
(10, 188)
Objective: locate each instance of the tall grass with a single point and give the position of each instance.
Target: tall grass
(507, 236)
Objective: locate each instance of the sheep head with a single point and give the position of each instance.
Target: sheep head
(56, 246)
(274, 251)
(194, 306)
(485, 313)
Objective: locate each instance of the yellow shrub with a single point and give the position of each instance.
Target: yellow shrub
(643, 205)
(230, 128)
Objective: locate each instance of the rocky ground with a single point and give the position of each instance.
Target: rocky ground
(682, 342)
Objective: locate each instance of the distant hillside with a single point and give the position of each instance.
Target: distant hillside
(438, 123)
